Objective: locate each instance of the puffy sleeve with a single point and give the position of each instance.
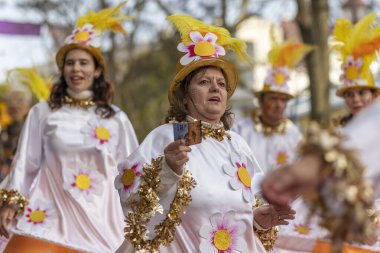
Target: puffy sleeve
(127, 137)
(149, 153)
(29, 152)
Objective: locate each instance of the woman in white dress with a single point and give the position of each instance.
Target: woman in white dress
(67, 159)
(197, 198)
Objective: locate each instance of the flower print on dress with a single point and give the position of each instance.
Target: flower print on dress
(224, 234)
(85, 35)
(100, 133)
(278, 79)
(201, 47)
(351, 72)
(128, 180)
(83, 181)
(240, 176)
(38, 217)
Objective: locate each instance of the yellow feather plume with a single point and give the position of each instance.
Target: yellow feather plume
(288, 53)
(36, 83)
(186, 24)
(106, 19)
(361, 40)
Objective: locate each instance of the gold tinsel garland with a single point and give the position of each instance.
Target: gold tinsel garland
(267, 237)
(144, 209)
(343, 199)
(217, 133)
(83, 103)
(13, 198)
(267, 130)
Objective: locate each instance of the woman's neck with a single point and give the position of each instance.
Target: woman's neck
(82, 95)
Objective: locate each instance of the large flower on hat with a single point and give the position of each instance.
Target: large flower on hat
(85, 35)
(200, 47)
(351, 72)
(278, 78)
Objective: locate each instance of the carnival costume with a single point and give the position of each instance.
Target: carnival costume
(62, 177)
(209, 207)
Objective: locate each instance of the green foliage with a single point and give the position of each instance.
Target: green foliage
(143, 94)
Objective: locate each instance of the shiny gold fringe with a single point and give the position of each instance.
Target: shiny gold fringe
(343, 200)
(143, 209)
(13, 198)
(83, 103)
(217, 134)
(267, 237)
(269, 130)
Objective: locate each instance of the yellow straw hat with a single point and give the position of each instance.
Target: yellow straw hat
(88, 31)
(283, 58)
(204, 45)
(357, 45)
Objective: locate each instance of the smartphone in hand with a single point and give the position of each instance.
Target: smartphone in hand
(189, 131)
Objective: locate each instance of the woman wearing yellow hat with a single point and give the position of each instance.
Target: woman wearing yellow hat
(198, 198)
(60, 197)
(358, 45)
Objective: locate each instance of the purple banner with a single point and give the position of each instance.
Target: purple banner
(12, 28)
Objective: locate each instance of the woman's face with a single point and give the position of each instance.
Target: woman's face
(79, 70)
(358, 98)
(206, 98)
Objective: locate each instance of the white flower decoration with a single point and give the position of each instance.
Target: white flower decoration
(241, 178)
(128, 179)
(83, 181)
(100, 133)
(351, 72)
(38, 217)
(201, 47)
(278, 79)
(223, 235)
(85, 35)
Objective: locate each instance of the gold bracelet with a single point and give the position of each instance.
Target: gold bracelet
(13, 198)
(343, 198)
(267, 237)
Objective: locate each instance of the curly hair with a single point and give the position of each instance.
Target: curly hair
(103, 94)
(178, 109)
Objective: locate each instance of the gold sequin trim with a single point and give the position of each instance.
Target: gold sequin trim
(267, 237)
(218, 133)
(267, 130)
(83, 103)
(13, 198)
(344, 199)
(143, 209)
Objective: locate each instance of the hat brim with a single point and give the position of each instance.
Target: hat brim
(225, 66)
(95, 52)
(340, 92)
(259, 93)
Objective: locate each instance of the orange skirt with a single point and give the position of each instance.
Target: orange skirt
(325, 247)
(23, 244)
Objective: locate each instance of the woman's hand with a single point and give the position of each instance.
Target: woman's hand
(176, 155)
(7, 215)
(268, 216)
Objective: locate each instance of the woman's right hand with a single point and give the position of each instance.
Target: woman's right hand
(176, 155)
(7, 215)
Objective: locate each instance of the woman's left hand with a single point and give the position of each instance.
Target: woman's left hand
(268, 216)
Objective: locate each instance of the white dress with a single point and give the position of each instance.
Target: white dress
(220, 200)
(65, 166)
(271, 151)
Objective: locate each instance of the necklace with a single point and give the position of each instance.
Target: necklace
(83, 103)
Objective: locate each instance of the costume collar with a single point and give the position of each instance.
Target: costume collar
(268, 130)
(82, 99)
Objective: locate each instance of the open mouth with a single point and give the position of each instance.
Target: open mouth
(214, 99)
